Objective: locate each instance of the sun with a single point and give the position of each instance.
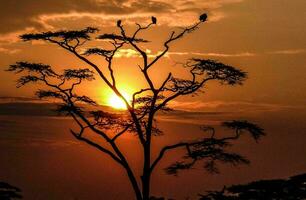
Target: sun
(109, 98)
(116, 102)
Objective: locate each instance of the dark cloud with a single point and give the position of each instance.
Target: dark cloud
(28, 109)
(6, 99)
(232, 106)
(17, 15)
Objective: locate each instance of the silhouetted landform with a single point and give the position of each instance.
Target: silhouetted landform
(9, 192)
(293, 188)
(157, 198)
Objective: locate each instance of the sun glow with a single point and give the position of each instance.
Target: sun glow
(116, 102)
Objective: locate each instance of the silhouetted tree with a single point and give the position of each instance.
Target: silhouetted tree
(9, 192)
(141, 111)
(293, 188)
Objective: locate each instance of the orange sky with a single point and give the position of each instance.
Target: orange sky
(264, 38)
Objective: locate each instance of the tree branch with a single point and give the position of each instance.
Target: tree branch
(121, 132)
(216, 146)
(130, 109)
(173, 38)
(97, 146)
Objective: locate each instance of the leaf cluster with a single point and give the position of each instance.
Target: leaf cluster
(183, 86)
(112, 36)
(63, 35)
(255, 131)
(37, 72)
(212, 69)
(108, 120)
(80, 74)
(213, 149)
(31, 67)
(98, 51)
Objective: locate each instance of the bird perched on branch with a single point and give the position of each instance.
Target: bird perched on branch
(154, 20)
(203, 17)
(119, 23)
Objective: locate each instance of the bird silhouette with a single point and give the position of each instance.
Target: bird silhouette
(154, 20)
(119, 23)
(203, 17)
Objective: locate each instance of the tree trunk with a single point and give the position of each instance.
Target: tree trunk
(134, 183)
(146, 187)
(146, 176)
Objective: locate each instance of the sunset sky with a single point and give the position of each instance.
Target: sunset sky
(264, 38)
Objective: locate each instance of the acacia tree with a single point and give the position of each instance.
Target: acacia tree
(145, 103)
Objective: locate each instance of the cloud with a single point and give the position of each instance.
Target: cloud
(18, 15)
(37, 142)
(199, 118)
(8, 50)
(288, 52)
(194, 112)
(126, 53)
(27, 106)
(131, 53)
(230, 107)
(28, 109)
(11, 99)
(242, 54)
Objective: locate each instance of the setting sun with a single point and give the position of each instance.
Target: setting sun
(116, 102)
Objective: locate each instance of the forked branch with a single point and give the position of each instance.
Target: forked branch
(211, 149)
